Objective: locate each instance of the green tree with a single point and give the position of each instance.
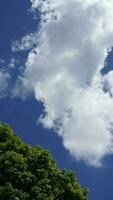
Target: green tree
(30, 173)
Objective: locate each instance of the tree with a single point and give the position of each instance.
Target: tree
(30, 173)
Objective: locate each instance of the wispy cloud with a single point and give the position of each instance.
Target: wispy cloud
(4, 83)
(26, 43)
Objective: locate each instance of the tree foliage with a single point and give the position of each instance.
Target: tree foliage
(30, 173)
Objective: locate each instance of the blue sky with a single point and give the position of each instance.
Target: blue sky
(16, 22)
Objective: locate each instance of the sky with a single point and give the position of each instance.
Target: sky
(56, 83)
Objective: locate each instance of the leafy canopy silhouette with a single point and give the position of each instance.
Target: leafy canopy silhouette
(30, 173)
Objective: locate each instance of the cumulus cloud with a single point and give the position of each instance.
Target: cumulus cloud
(64, 72)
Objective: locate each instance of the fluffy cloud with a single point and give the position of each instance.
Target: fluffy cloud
(64, 72)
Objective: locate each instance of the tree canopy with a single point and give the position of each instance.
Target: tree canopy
(30, 173)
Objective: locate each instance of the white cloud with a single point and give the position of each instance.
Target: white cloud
(4, 84)
(12, 63)
(26, 43)
(35, 3)
(108, 82)
(63, 71)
